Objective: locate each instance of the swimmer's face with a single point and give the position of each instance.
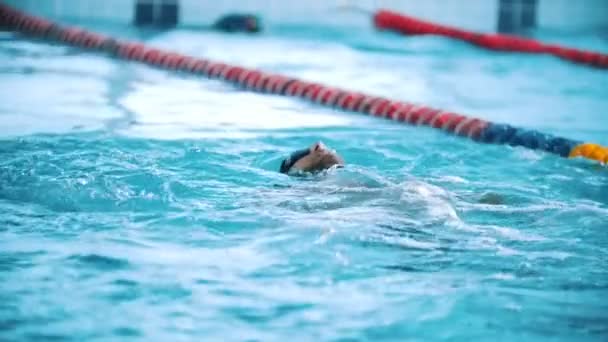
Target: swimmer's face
(315, 158)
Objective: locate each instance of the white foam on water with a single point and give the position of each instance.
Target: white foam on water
(172, 132)
(64, 103)
(503, 276)
(411, 243)
(204, 109)
(529, 155)
(554, 254)
(505, 251)
(452, 179)
(516, 235)
(436, 200)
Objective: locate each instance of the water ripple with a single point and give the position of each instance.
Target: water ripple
(146, 205)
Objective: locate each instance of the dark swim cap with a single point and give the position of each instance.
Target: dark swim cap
(292, 159)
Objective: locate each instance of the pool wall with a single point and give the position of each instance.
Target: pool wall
(479, 15)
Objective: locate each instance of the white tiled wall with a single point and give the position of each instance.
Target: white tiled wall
(117, 11)
(478, 15)
(572, 14)
(471, 14)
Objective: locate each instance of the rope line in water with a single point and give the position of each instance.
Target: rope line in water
(388, 20)
(255, 80)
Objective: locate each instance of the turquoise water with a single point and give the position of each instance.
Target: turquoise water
(139, 204)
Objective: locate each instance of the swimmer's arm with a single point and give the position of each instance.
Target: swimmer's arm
(489, 197)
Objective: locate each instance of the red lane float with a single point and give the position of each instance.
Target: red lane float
(388, 20)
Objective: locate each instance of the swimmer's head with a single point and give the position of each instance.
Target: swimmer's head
(312, 159)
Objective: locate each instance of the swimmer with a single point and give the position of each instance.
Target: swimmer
(319, 157)
(312, 159)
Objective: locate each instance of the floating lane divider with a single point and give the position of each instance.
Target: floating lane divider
(388, 20)
(255, 80)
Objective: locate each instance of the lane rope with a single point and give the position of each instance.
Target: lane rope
(255, 80)
(400, 23)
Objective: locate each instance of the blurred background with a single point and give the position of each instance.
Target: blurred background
(480, 15)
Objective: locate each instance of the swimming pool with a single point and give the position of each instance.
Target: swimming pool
(142, 204)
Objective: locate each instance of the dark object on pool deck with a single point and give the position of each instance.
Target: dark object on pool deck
(238, 23)
(163, 14)
(516, 15)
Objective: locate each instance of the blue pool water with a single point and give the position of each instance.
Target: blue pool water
(139, 204)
